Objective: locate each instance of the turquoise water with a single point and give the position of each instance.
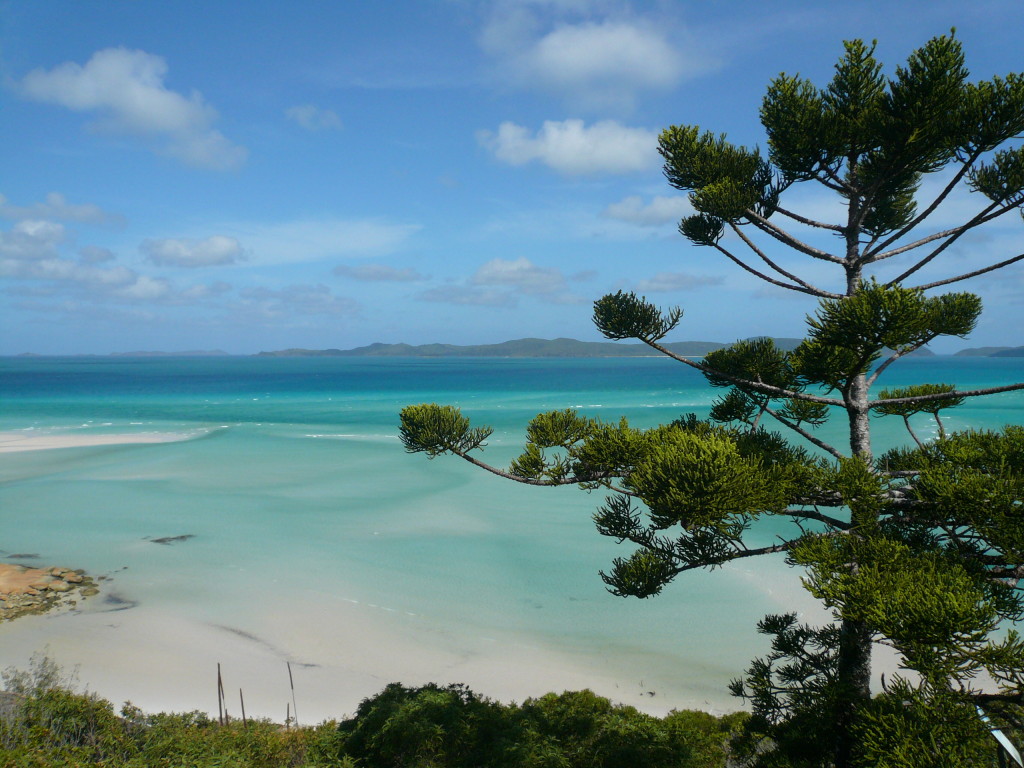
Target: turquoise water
(292, 473)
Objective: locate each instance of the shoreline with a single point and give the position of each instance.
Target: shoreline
(163, 655)
(18, 441)
(25, 590)
(164, 662)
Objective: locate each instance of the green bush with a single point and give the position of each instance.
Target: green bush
(44, 722)
(452, 727)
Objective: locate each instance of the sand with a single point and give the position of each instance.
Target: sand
(16, 441)
(163, 661)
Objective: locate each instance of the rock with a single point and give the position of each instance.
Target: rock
(173, 539)
(25, 590)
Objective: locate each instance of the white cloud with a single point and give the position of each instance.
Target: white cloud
(313, 118)
(31, 240)
(378, 273)
(676, 281)
(57, 208)
(205, 290)
(308, 240)
(125, 88)
(297, 300)
(146, 288)
(92, 254)
(502, 282)
(573, 148)
(520, 274)
(661, 210)
(213, 251)
(603, 63)
(468, 295)
(30, 251)
(593, 56)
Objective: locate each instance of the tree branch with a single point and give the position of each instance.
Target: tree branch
(758, 386)
(810, 288)
(976, 221)
(947, 395)
(784, 237)
(821, 517)
(739, 555)
(739, 262)
(574, 480)
(804, 433)
(916, 244)
(935, 203)
(913, 434)
(808, 222)
(1000, 265)
(896, 356)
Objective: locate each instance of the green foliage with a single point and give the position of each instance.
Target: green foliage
(428, 726)
(753, 360)
(793, 691)
(805, 412)
(736, 405)
(846, 336)
(438, 429)
(701, 229)
(910, 727)
(921, 550)
(725, 180)
(921, 406)
(624, 316)
(49, 724)
(696, 481)
(643, 574)
(452, 727)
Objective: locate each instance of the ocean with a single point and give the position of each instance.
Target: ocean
(310, 537)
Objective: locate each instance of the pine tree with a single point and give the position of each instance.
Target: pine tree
(920, 549)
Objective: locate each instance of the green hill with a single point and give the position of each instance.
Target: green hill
(518, 348)
(528, 348)
(991, 352)
(980, 351)
(1010, 352)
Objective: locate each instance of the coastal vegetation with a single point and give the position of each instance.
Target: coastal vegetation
(918, 551)
(44, 721)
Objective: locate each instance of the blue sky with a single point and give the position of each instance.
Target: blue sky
(212, 175)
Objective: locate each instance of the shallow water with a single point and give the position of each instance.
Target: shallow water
(300, 500)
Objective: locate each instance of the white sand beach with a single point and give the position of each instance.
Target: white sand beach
(15, 441)
(164, 658)
(165, 662)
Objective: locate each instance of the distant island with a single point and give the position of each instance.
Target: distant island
(526, 348)
(529, 347)
(517, 348)
(992, 352)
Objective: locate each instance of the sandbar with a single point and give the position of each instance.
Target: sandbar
(17, 441)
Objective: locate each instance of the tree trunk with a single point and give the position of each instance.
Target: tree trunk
(856, 399)
(853, 667)
(853, 672)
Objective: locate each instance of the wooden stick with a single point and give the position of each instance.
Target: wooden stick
(291, 682)
(220, 696)
(241, 699)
